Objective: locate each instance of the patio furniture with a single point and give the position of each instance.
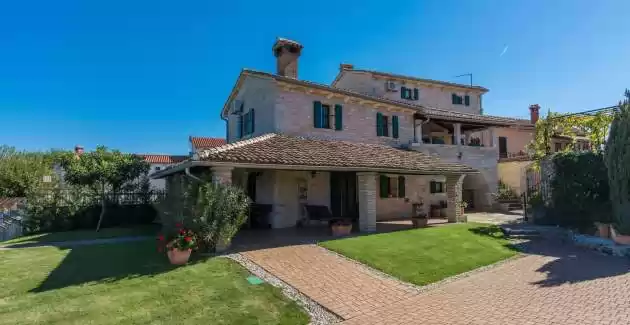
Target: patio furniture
(319, 213)
(259, 215)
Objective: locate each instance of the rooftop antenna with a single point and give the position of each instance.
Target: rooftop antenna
(464, 75)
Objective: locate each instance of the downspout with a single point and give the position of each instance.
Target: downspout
(187, 172)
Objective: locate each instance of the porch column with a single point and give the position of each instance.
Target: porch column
(454, 184)
(458, 133)
(418, 131)
(222, 175)
(367, 201)
(494, 140)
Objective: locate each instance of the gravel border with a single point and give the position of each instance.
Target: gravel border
(421, 289)
(319, 315)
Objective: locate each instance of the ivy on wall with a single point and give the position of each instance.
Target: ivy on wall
(579, 190)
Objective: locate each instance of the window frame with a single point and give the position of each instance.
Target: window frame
(435, 189)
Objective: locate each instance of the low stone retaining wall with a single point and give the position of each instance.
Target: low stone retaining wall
(603, 245)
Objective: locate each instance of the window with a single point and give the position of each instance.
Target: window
(157, 168)
(382, 125)
(467, 100)
(409, 93)
(436, 187)
(457, 100)
(558, 147)
(322, 115)
(247, 121)
(391, 187)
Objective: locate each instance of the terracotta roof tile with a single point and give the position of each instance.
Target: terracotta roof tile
(163, 159)
(9, 203)
(278, 149)
(205, 142)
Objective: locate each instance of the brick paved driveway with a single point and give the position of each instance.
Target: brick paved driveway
(555, 284)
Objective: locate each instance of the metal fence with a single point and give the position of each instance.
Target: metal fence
(10, 225)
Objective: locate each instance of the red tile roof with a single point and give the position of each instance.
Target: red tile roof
(163, 159)
(278, 149)
(205, 142)
(9, 203)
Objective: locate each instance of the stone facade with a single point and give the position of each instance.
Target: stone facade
(294, 115)
(437, 96)
(281, 109)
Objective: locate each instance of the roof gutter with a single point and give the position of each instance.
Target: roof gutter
(181, 167)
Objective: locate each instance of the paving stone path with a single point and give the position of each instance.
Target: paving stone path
(556, 283)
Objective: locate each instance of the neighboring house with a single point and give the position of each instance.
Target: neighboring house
(201, 143)
(159, 162)
(514, 157)
(366, 147)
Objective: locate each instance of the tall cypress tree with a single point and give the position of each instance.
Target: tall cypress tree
(617, 158)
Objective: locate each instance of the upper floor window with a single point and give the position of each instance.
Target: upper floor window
(409, 93)
(246, 122)
(382, 125)
(460, 100)
(322, 115)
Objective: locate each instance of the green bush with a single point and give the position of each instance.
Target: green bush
(579, 190)
(215, 212)
(618, 162)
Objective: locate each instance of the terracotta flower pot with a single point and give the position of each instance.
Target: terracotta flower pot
(419, 222)
(341, 230)
(603, 230)
(617, 238)
(178, 257)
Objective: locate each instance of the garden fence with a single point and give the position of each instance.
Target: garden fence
(10, 225)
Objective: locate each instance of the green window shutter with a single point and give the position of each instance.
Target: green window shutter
(401, 186)
(467, 100)
(338, 117)
(416, 94)
(403, 90)
(253, 118)
(239, 126)
(379, 124)
(454, 98)
(317, 114)
(384, 186)
(395, 126)
(432, 187)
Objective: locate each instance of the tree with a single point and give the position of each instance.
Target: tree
(104, 171)
(23, 173)
(617, 158)
(595, 127)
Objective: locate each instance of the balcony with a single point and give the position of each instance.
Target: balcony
(473, 155)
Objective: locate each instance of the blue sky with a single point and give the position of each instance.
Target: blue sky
(142, 76)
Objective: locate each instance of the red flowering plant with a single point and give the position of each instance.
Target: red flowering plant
(185, 239)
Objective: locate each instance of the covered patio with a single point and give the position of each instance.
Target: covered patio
(366, 183)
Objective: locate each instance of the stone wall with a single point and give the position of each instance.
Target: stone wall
(259, 94)
(435, 95)
(294, 115)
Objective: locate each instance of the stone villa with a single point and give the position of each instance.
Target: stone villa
(366, 146)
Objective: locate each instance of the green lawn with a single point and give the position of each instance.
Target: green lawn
(132, 283)
(423, 256)
(147, 230)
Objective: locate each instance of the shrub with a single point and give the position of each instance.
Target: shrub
(215, 212)
(579, 190)
(617, 157)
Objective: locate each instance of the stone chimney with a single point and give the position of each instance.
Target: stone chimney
(534, 113)
(345, 66)
(287, 53)
(78, 150)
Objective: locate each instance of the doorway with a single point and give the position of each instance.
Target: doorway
(343, 195)
(503, 147)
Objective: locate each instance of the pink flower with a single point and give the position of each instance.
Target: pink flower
(160, 237)
(187, 238)
(178, 225)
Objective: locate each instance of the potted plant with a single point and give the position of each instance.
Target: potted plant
(603, 229)
(462, 205)
(341, 227)
(618, 238)
(178, 249)
(418, 216)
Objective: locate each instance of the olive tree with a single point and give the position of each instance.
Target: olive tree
(104, 171)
